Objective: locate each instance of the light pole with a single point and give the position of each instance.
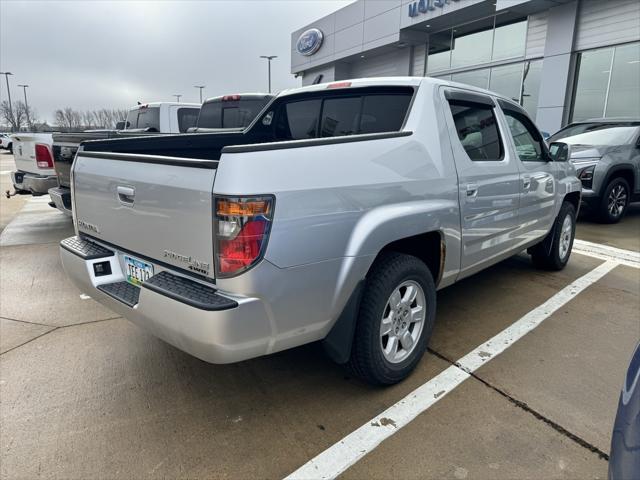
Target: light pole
(6, 76)
(178, 97)
(26, 105)
(269, 58)
(200, 87)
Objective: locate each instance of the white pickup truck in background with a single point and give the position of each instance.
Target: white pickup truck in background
(33, 156)
(162, 117)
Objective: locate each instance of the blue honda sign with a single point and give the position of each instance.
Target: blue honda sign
(310, 41)
(424, 6)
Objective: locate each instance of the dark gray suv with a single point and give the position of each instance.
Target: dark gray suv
(607, 162)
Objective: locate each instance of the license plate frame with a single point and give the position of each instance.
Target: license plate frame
(137, 271)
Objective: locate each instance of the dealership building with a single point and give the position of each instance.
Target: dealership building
(563, 60)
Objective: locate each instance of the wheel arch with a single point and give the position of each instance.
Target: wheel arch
(625, 171)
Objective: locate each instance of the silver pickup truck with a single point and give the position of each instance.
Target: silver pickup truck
(335, 216)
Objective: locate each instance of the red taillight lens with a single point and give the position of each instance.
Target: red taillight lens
(230, 98)
(242, 226)
(44, 157)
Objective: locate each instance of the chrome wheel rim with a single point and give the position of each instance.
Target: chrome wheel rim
(617, 200)
(566, 234)
(402, 321)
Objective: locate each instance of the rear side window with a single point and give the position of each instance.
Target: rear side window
(477, 130)
(187, 118)
(341, 114)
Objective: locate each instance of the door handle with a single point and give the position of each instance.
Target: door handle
(471, 192)
(526, 182)
(126, 195)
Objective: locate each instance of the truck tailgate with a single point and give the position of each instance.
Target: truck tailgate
(159, 208)
(24, 152)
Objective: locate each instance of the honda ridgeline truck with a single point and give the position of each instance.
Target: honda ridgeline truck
(142, 120)
(335, 216)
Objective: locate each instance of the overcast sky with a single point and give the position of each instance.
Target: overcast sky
(93, 54)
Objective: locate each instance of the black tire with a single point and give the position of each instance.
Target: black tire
(548, 254)
(10, 148)
(367, 360)
(617, 186)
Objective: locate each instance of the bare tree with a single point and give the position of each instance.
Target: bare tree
(7, 115)
(17, 117)
(68, 118)
(88, 119)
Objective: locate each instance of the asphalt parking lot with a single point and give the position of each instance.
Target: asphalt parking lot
(84, 393)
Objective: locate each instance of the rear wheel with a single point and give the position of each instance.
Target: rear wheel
(554, 251)
(614, 201)
(10, 148)
(395, 319)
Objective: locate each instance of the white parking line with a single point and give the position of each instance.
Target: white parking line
(5, 172)
(605, 252)
(340, 456)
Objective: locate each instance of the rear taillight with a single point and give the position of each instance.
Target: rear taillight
(44, 157)
(231, 98)
(242, 226)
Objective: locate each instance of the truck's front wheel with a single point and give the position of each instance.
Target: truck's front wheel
(554, 251)
(395, 319)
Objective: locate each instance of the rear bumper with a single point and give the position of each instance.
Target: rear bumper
(214, 326)
(61, 197)
(31, 182)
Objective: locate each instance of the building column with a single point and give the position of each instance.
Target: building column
(556, 78)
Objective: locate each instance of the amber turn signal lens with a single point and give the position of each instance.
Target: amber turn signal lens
(242, 209)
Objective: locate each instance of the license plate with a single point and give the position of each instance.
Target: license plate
(137, 271)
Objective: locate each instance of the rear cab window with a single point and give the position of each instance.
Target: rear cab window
(327, 114)
(144, 117)
(231, 111)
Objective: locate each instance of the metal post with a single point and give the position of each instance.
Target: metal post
(26, 105)
(6, 76)
(200, 87)
(269, 58)
(177, 97)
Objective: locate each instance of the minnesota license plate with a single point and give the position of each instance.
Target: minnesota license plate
(137, 271)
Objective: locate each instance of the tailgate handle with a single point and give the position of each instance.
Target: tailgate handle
(126, 195)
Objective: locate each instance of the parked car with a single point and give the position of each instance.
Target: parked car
(592, 124)
(335, 216)
(624, 460)
(231, 111)
(5, 142)
(608, 164)
(146, 119)
(34, 172)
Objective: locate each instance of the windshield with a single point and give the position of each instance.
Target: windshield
(144, 117)
(609, 136)
(230, 114)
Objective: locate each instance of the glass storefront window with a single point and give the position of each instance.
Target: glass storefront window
(624, 88)
(531, 86)
(509, 41)
(439, 54)
(507, 81)
(477, 78)
(591, 88)
(472, 44)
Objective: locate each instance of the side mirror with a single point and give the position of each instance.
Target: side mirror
(120, 126)
(560, 151)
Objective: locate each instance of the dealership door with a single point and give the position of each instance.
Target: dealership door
(488, 179)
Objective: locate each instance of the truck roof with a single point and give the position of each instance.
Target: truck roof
(387, 81)
(158, 104)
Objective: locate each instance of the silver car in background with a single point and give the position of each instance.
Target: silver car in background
(607, 161)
